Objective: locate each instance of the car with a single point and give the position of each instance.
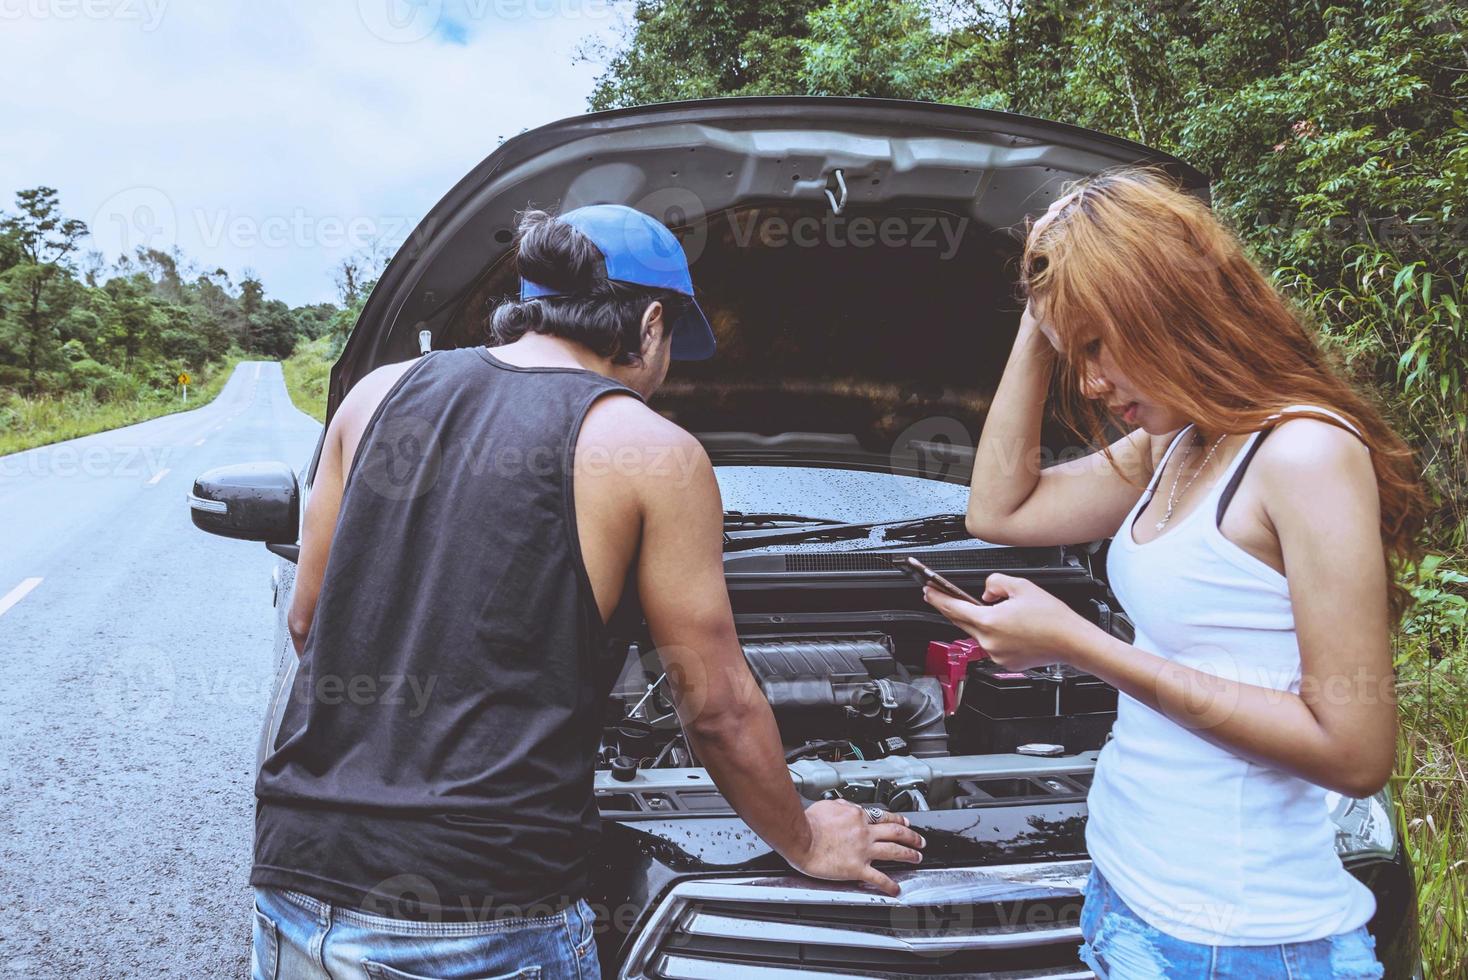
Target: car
(858, 260)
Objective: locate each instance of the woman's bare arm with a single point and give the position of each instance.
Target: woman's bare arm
(1012, 500)
(1340, 730)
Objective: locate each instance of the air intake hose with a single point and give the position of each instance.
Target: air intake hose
(817, 707)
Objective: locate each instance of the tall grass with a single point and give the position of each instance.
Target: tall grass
(308, 373)
(39, 421)
(1399, 321)
(1431, 784)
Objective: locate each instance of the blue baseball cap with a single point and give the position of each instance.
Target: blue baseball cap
(638, 248)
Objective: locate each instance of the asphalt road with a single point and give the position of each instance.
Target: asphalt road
(136, 655)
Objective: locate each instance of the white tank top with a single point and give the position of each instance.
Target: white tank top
(1201, 843)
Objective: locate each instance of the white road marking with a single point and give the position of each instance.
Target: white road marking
(199, 443)
(158, 476)
(257, 371)
(18, 593)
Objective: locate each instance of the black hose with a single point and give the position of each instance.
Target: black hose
(919, 714)
(914, 708)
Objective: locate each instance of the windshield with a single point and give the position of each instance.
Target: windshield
(841, 496)
(847, 496)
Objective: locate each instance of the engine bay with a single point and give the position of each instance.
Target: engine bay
(901, 710)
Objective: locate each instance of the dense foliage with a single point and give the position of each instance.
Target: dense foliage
(70, 324)
(1335, 136)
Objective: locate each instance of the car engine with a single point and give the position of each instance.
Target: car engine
(833, 696)
(916, 713)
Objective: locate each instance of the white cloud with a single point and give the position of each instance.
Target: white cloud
(275, 136)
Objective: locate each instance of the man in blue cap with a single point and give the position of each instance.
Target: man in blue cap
(487, 512)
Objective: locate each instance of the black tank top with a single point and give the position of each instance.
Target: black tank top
(435, 759)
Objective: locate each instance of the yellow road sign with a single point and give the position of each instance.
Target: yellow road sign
(183, 378)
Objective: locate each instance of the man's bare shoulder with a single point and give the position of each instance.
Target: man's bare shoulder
(351, 419)
(626, 422)
(637, 442)
(366, 394)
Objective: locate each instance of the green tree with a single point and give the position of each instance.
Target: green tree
(10, 253)
(273, 329)
(134, 321)
(314, 320)
(44, 239)
(248, 304)
(190, 338)
(213, 295)
(690, 49)
(884, 50)
(162, 269)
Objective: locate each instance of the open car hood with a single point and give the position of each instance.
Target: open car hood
(857, 258)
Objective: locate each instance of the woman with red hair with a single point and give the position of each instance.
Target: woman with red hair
(1259, 575)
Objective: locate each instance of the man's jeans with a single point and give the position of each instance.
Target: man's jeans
(297, 936)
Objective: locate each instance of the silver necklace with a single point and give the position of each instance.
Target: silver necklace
(1173, 494)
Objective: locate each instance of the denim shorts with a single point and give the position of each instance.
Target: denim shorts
(1119, 945)
(297, 937)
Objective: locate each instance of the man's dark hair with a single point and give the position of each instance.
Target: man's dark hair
(602, 314)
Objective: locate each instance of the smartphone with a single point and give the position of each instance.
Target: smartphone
(926, 576)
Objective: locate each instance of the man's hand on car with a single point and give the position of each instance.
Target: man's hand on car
(728, 723)
(844, 843)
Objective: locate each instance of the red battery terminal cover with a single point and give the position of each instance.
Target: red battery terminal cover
(948, 661)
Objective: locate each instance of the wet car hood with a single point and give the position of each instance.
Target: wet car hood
(856, 257)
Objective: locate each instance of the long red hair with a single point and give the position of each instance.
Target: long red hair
(1170, 292)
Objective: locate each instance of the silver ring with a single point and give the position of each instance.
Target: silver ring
(874, 813)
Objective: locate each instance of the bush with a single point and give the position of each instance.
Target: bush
(1440, 614)
(9, 411)
(102, 382)
(308, 374)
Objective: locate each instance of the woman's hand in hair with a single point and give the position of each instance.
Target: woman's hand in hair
(1029, 320)
(1025, 627)
(1031, 330)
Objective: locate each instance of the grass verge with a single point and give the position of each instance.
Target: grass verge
(1431, 789)
(26, 423)
(308, 373)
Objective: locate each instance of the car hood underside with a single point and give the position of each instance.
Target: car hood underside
(856, 256)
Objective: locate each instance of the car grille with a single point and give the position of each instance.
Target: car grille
(1008, 922)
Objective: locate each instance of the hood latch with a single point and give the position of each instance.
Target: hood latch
(838, 204)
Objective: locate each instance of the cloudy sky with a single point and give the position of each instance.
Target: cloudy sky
(274, 135)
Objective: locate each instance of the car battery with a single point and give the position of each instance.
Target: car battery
(1002, 709)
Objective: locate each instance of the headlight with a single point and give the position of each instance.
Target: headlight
(1364, 828)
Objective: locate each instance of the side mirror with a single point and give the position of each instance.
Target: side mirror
(249, 501)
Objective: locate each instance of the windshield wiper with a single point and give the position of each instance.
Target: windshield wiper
(935, 527)
(738, 520)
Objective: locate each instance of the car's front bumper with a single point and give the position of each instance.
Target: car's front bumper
(1002, 922)
(1011, 921)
